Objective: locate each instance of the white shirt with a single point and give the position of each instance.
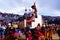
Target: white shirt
(3, 27)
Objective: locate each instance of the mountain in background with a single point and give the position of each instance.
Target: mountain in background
(51, 19)
(10, 17)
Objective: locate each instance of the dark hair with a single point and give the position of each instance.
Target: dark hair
(38, 24)
(32, 14)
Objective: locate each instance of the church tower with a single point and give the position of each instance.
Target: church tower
(38, 18)
(35, 9)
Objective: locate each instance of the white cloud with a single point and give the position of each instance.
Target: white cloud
(49, 7)
(45, 7)
(48, 11)
(13, 6)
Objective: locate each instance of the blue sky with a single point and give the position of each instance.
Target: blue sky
(44, 7)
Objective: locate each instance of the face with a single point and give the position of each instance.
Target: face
(38, 27)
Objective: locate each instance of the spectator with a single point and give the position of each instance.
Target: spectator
(58, 31)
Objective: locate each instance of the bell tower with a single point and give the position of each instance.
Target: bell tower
(35, 9)
(38, 18)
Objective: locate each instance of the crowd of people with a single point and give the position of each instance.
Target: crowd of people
(15, 32)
